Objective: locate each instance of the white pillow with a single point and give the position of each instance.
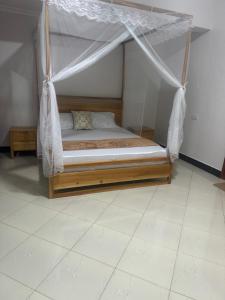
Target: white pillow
(66, 121)
(103, 120)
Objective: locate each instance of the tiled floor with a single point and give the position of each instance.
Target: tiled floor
(154, 243)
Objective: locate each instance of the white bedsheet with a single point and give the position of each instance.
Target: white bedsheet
(79, 156)
(96, 134)
(91, 155)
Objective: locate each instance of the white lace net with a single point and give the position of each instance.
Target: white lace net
(81, 33)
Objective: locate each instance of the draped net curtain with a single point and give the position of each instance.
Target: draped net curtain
(74, 35)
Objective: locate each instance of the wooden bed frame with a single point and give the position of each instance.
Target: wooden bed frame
(117, 175)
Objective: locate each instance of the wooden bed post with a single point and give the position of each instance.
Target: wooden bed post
(48, 74)
(47, 42)
(123, 72)
(186, 59)
(223, 170)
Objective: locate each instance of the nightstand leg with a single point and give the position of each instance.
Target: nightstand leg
(169, 180)
(12, 153)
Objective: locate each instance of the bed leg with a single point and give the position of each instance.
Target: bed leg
(50, 188)
(169, 179)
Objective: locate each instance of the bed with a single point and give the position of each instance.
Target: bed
(106, 159)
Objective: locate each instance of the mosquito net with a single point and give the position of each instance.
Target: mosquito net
(76, 34)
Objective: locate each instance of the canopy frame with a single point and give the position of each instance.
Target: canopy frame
(123, 3)
(147, 7)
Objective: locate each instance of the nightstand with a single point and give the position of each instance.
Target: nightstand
(146, 132)
(23, 139)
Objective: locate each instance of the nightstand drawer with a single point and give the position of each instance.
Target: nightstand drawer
(24, 136)
(24, 146)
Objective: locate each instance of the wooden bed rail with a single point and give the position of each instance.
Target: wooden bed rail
(89, 181)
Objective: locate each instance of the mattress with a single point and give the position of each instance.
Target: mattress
(96, 134)
(92, 155)
(81, 156)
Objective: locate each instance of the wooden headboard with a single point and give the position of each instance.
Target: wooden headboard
(76, 103)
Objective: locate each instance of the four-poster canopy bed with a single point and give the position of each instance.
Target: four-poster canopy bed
(99, 159)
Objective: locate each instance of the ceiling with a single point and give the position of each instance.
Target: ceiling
(25, 7)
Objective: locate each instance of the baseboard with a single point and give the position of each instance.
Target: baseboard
(22, 153)
(200, 165)
(4, 149)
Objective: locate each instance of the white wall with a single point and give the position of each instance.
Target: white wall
(146, 92)
(18, 102)
(103, 79)
(204, 138)
(18, 93)
(141, 89)
(202, 10)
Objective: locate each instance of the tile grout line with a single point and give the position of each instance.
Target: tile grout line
(111, 203)
(30, 235)
(34, 234)
(69, 251)
(182, 226)
(23, 284)
(14, 212)
(58, 212)
(130, 240)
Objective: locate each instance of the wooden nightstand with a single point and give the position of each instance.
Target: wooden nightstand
(23, 139)
(146, 132)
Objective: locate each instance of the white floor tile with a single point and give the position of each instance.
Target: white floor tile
(175, 296)
(76, 277)
(173, 195)
(25, 196)
(137, 200)
(120, 219)
(20, 183)
(106, 197)
(167, 212)
(203, 245)
(172, 187)
(30, 218)
(9, 239)
(199, 279)
(103, 244)
(203, 181)
(31, 261)
(85, 208)
(149, 262)
(212, 222)
(56, 204)
(124, 286)
(181, 181)
(159, 232)
(204, 201)
(37, 296)
(12, 290)
(199, 272)
(63, 230)
(9, 205)
(223, 203)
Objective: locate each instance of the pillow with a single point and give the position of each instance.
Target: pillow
(66, 121)
(103, 120)
(82, 120)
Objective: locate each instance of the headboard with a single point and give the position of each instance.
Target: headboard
(75, 103)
